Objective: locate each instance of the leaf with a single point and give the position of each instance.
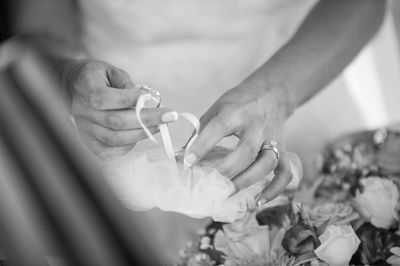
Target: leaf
(371, 247)
(307, 257)
(299, 240)
(321, 229)
(275, 216)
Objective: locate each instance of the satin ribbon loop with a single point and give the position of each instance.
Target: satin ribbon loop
(164, 131)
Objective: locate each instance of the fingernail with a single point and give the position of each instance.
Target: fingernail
(261, 202)
(169, 117)
(190, 159)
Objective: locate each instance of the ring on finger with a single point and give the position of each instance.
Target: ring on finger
(272, 146)
(154, 92)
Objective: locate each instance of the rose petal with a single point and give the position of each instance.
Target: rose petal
(395, 250)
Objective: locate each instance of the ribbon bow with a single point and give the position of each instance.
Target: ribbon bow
(164, 131)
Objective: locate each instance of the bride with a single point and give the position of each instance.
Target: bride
(243, 66)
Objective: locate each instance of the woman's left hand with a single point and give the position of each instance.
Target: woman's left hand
(256, 116)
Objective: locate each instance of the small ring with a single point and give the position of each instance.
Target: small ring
(154, 92)
(271, 146)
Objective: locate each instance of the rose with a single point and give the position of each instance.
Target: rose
(233, 208)
(338, 244)
(245, 240)
(378, 201)
(395, 258)
(376, 244)
(336, 213)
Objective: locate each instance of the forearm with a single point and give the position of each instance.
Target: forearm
(328, 39)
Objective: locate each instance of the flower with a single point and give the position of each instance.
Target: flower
(375, 245)
(277, 212)
(378, 201)
(389, 153)
(395, 258)
(338, 244)
(336, 213)
(245, 241)
(299, 239)
(205, 242)
(234, 208)
(200, 259)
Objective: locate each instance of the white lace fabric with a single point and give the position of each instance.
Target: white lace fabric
(146, 180)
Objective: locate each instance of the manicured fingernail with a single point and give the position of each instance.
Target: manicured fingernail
(261, 202)
(169, 117)
(190, 159)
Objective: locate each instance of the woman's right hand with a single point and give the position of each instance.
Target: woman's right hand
(102, 100)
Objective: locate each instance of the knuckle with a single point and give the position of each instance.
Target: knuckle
(287, 175)
(111, 138)
(226, 121)
(122, 76)
(148, 121)
(78, 84)
(97, 99)
(114, 121)
(237, 115)
(140, 135)
(124, 101)
(93, 65)
(251, 149)
(251, 108)
(122, 72)
(87, 68)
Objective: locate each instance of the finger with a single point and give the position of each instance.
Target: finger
(112, 138)
(219, 127)
(109, 98)
(125, 119)
(264, 164)
(101, 84)
(283, 176)
(102, 151)
(119, 78)
(241, 158)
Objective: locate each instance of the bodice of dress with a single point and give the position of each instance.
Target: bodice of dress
(190, 50)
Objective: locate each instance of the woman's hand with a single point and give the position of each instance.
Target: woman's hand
(256, 116)
(102, 98)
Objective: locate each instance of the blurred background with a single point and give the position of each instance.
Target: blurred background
(365, 96)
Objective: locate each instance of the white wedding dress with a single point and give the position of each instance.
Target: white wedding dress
(192, 51)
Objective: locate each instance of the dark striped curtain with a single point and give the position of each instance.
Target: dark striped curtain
(4, 20)
(54, 204)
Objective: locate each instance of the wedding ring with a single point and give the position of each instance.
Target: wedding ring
(154, 92)
(271, 146)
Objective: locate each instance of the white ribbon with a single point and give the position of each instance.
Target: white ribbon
(167, 142)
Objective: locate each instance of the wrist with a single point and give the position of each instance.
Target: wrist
(282, 96)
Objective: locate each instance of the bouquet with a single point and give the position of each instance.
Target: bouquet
(348, 215)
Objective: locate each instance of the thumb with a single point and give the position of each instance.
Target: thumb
(119, 78)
